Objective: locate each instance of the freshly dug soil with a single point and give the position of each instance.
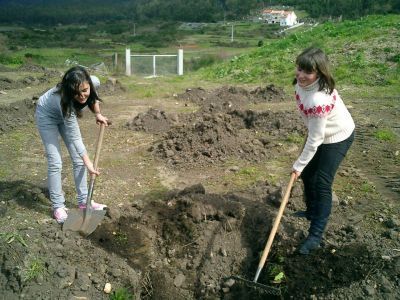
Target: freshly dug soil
(189, 242)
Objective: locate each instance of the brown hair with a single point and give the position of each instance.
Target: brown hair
(68, 88)
(314, 59)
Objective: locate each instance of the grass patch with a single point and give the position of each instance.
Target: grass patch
(385, 135)
(35, 269)
(248, 175)
(295, 138)
(121, 238)
(367, 188)
(121, 294)
(10, 237)
(353, 47)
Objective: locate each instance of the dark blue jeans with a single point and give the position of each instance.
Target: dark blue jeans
(318, 178)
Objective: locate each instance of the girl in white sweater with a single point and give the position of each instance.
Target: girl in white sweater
(330, 135)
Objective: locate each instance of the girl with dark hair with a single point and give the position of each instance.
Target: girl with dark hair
(56, 115)
(330, 135)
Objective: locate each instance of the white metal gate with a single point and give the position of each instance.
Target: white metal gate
(179, 61)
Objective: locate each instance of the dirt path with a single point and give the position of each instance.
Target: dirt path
(192, 198)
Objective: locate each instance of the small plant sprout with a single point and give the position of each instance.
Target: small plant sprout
(35, 268)
(121, 294)
(121, 238)
(276, 274)
(279, 278)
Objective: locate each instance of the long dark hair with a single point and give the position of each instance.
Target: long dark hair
(69, 87)
(314, 59)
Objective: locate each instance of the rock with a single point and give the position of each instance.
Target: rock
(233, 169)
(112, 81)
(369, 290)
(396, 266)
(392, 223)
(169, 153)
(385, 285)
(107, 288)
(83, 280)
(116, 272)
(113, 213)
(222, 251)
(179, 279)
(229, 283)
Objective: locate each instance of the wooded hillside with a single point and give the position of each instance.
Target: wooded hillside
(50, 12)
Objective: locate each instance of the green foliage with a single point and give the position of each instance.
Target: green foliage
(354, 48)
(36, 267)
(385, 135)
(50, 12)
(8, 59)
(250, 171)
(196, 63)
(276, 273)
(121, 238)
(10, 237)
(366, 187)
(121, 294)
(295, 138)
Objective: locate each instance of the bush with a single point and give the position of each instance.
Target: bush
(201, 62)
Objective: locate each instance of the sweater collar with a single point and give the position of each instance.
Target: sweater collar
(312, 86)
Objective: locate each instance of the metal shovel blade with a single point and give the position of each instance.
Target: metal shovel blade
(91, 219)
(84, 220)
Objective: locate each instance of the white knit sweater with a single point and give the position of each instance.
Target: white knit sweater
(327, 119)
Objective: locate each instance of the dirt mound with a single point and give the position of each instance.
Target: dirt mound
(32, 68)
(153, 120)
(16, 114)
(4, 68)
(110, 87)
(186, 245)
(237, 96)
(11, 84)
(217, 136)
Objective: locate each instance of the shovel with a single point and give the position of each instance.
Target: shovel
(254, 283)
(86, 220)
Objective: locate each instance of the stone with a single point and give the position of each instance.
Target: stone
(179, 280)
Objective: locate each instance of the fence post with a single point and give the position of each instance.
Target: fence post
(154, 66)
(180, 62)
(115, 62)
(128, 62)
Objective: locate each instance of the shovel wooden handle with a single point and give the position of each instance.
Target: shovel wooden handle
(275, 227)
(95, 163)
(98, 146)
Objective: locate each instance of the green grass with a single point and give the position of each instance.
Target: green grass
(247, 176)
(35, 269)
(121, 294)
(121, 238)
(10, 237)
(295, 138)
(385, 135)
(362, 52)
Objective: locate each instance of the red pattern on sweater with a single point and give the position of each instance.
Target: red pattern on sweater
(316, 111)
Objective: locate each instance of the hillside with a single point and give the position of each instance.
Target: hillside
(363, 53)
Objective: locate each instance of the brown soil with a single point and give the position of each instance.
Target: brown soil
(185, 214)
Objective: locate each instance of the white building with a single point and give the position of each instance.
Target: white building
(282, 17)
